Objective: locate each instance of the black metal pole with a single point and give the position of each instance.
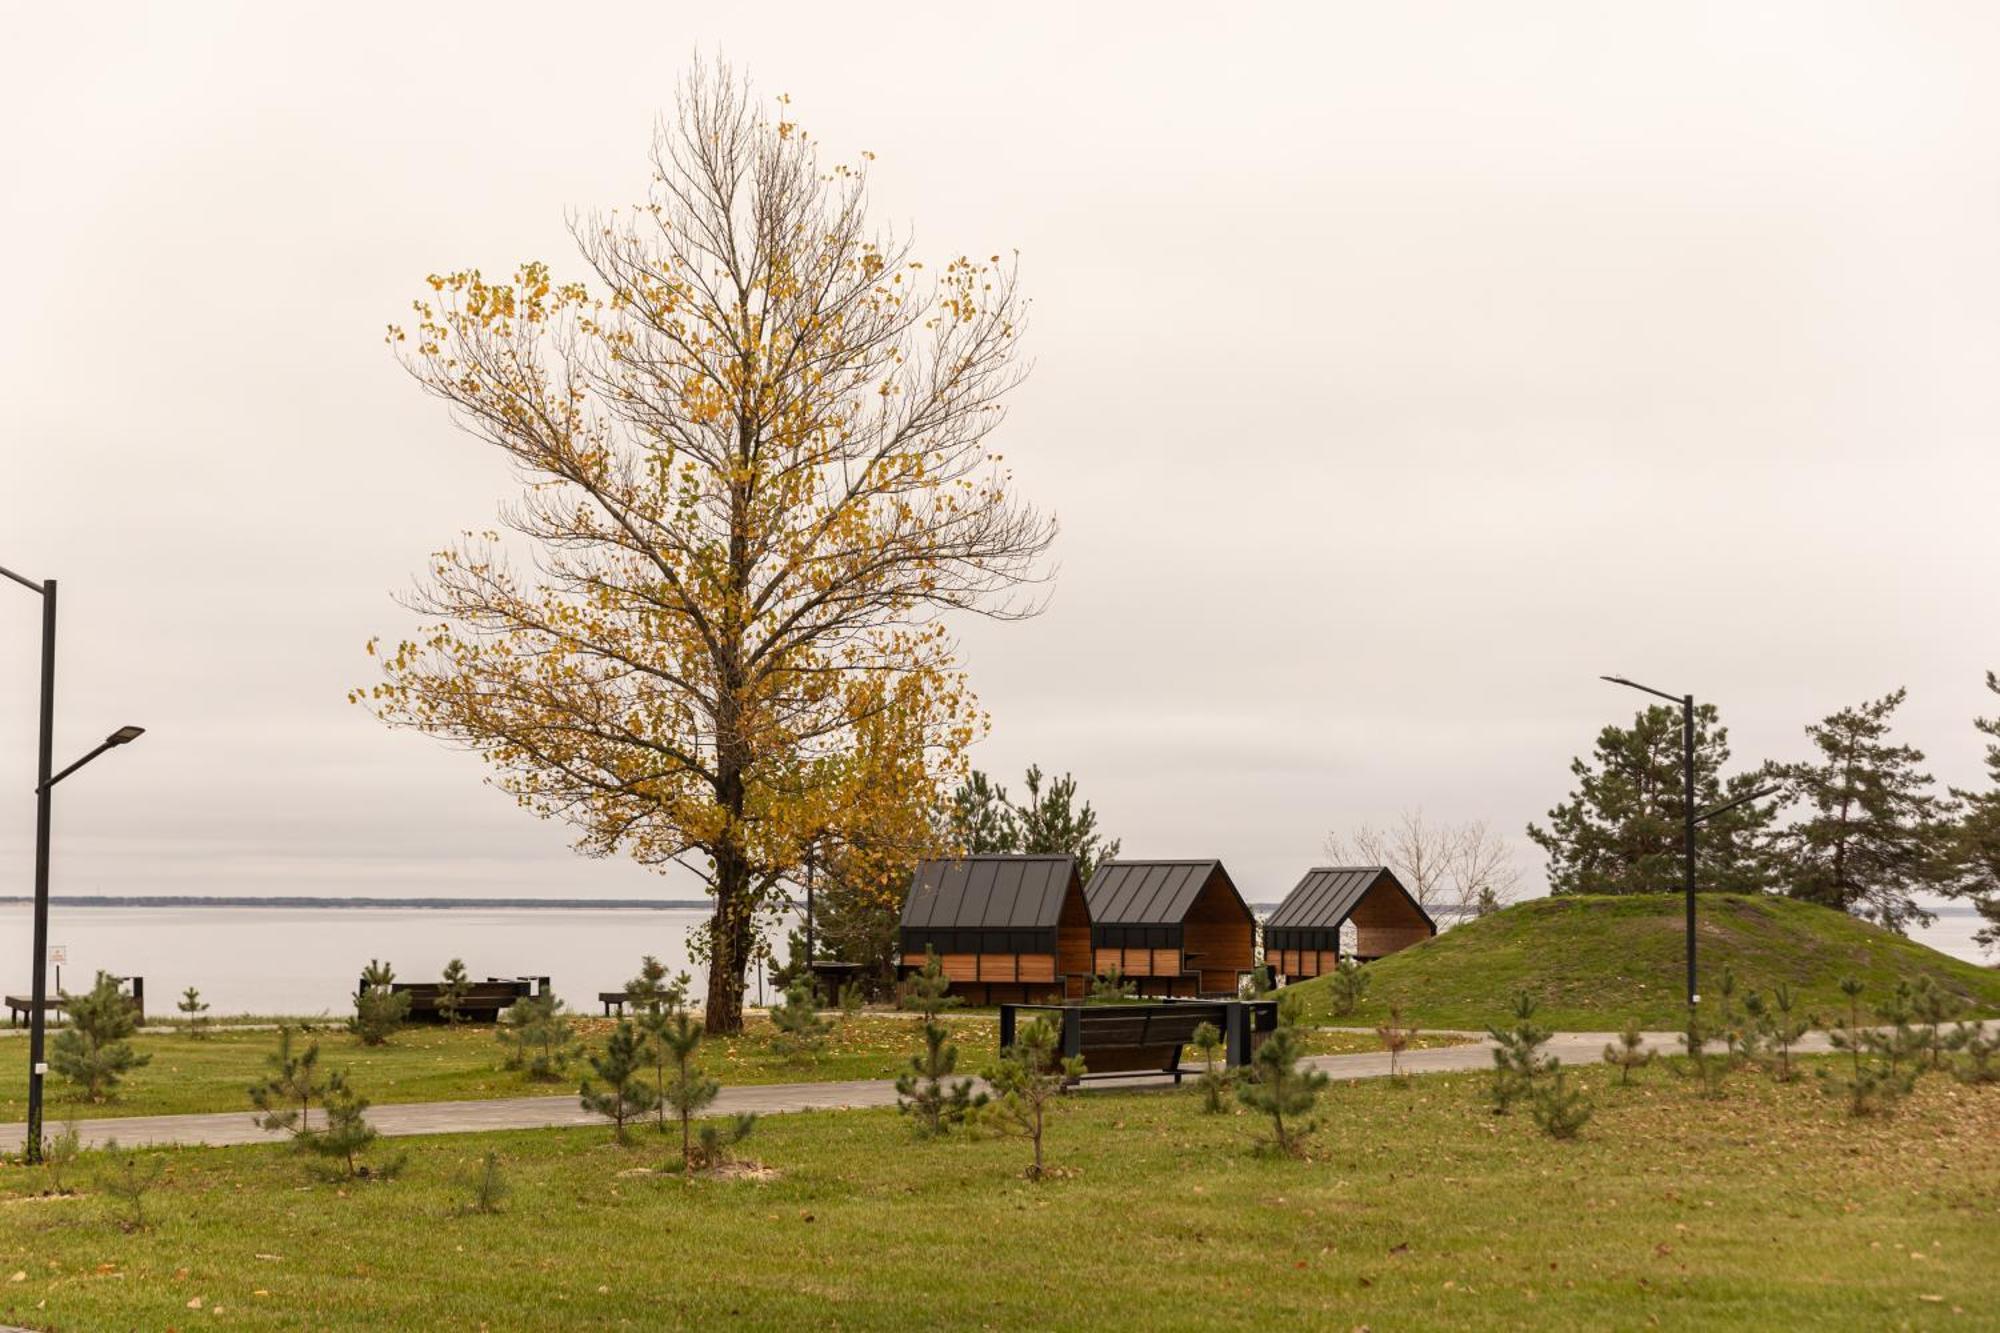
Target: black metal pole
(1687, 756)
(44, 794)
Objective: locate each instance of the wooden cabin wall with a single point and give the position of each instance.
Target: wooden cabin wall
(1073, 936)
(1385, 921)
(1222, 931)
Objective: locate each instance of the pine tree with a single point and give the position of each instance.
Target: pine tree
(925, 1091)
(1623, 827)
(487, 1185)
(92, 1052)
(980, 818)
(1348, 987)
(347, 1133)
(451, 994)
(287, 1094)
(1895, 1038)
(1052, 824)
(800, 1031)
(1976, 861)
(619, 1091)
(1216, 1078)
(1278, 1087)
(1701, 1064)
(1110, 984)
(1873, 832)
(130, 1178)
(652, 992)
(687, 1090)
(1629, 1053)
(1026, 1079)
(1980, 1047)
(1518, 1059)
(1559, 1111)
(1733, 1027)
(379, 1010)
(191, 1004)
(539, 1037)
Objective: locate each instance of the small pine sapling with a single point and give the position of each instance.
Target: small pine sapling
(130, 1177)
(1278, 1087)
(1216, 1078)
(925, 1091)
(1110, 984)
(1932, 1006)
(800, 1031)
(1560, 1111)
(1701, 1064)
(687, 1090)
(1779, 1027)
(93, 1051)
(1518, 1059)
(1979, 1048)
(1870, 1087)
(1348, 987)
(487, 1185)
(379, 1009)
(651, 992)
(716, 1138)
(1396, 1036)
(1026, 1079)
(287, 1094)
(851, 999)
(1731, 1026)
(539, 1037)
(1896, 1039)
(619, 1091)
(1628, 1053)
(453, 990)
(192, 1005)
(347, 1134)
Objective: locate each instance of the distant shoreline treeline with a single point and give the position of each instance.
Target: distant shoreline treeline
(426, 904)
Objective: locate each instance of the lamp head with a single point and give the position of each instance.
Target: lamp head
(125, 735)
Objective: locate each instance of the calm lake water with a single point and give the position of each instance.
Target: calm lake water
(306, 961)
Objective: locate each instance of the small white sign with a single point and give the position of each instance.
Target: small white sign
(58, 953)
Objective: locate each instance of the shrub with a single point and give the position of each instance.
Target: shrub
(378, 1010)
(92, 1052)
(716, 1138)
(1276, 1086)
(1216, 1077)
(925, 1091)
(1560, 1112)
(1111, 984)
(1348, 986)
(539, 1037)
(453, 990)
(59, 1152)
(1629, 1053)
(191, 1004)
(618, 1093)
(801, 1032)
(1026, 1079)
(1518, 1059)
(1396, 1036)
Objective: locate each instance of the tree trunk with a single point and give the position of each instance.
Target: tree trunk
(729, 944)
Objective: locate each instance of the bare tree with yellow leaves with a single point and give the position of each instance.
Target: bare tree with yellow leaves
(754, 445)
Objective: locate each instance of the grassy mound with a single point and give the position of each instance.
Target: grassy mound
(1597, 962)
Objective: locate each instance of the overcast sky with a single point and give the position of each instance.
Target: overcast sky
(1398, 369)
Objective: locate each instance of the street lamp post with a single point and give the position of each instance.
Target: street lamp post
(45, 781)
(1693, 817)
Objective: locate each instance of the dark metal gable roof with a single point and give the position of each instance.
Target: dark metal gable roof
(1329, 894)
(1148, 892)
(997, 892)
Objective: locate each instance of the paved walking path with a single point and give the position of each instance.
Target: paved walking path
(234, 1127)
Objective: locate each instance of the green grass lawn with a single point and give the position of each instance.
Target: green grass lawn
(423, 1064)
(1767, 1209)
(1596, 963)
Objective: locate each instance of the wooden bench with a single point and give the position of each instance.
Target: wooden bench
(1130, 1040)
(481, 1003)
(20, 1007)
